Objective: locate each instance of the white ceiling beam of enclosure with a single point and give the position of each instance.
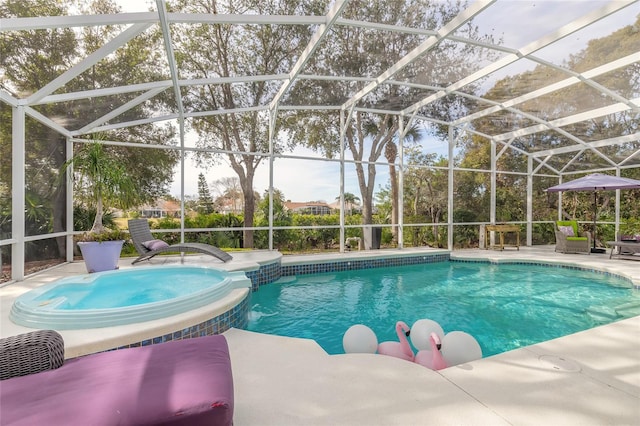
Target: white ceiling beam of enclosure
(149, 18)
(8, 99)
(595, 72)
(209, 18)
(120, 110)
(424, 47)
(530, 117)
(141, 87)
(547, 125)
(171, 58)
(140, 122)
(198, 114)
(233, 79)
(571, 119)
(567, 164)
(529, 49)
(635, 137)
(167, 117)
(88, 62)
(52, 22)
(321, 32)
(106, 91)
(162, 15)
(46, 121)
(629, 158)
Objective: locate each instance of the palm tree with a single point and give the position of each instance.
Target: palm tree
(349, 201)
(391, 153)
(103, 179)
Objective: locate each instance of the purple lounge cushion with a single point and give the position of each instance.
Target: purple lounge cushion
(155, 244)
(186, 382)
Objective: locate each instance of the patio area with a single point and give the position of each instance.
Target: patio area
(591, 377)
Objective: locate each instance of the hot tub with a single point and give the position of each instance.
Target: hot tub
(113, 298)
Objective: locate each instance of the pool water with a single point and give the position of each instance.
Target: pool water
(126, 296)
(503, 306)
(141, 286)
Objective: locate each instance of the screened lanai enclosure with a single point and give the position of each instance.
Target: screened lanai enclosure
(424, 118)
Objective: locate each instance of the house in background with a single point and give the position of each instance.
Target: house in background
(308, 207)
(349, 208)
(161, 208)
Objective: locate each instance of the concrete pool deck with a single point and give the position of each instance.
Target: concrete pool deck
(591, 377)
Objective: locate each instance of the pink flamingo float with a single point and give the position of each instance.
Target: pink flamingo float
(432, 358)
(400, 349)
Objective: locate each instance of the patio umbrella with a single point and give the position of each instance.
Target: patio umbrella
(596, 182)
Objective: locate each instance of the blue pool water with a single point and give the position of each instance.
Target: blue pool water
(119, 289)
(503, 306)
(126, 296)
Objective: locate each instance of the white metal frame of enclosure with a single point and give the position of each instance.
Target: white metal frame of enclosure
(139, 22)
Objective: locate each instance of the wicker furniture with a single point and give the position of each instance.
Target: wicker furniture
(30, 353)
(184, 382)
(576, 243)
(141, 235)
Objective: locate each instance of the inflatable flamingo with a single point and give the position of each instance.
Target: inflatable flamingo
(400, 349)
(432, 359)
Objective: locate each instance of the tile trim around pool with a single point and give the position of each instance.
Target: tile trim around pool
(354, 264)
(237, 317)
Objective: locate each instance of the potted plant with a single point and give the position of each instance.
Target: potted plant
(102, 181)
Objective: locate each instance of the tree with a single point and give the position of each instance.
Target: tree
(391, 153)
(235, 51)
(281, 217)
(570, 100)
(349, 201)
(368, 135)
(31, 59)
(205, 202)
(104, 180)
(229, 194)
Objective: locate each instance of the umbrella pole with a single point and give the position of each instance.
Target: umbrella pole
(595, 215)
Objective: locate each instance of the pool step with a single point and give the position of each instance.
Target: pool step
(602, 314)
(629, 309)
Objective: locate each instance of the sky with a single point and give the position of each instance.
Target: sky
(306, 181)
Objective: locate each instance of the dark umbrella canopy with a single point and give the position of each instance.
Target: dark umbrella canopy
(596, 182)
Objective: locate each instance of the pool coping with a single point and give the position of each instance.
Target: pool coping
(591, 377)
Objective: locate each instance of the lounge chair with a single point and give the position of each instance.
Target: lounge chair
(625, 247)
(148, 246)
(569, 239)
(179, 383)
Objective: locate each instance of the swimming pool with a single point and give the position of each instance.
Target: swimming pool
(126, 296)
(503, 306)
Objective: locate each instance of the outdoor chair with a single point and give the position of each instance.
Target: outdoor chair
(181, 383)
(148, 246)
(625, 247)
(569, 239)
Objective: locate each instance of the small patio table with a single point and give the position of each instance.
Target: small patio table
(502, 229)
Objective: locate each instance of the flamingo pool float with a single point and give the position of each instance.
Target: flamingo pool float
(432, 358)
(400, 349)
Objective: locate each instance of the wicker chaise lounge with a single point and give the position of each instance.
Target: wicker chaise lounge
(148, 246)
